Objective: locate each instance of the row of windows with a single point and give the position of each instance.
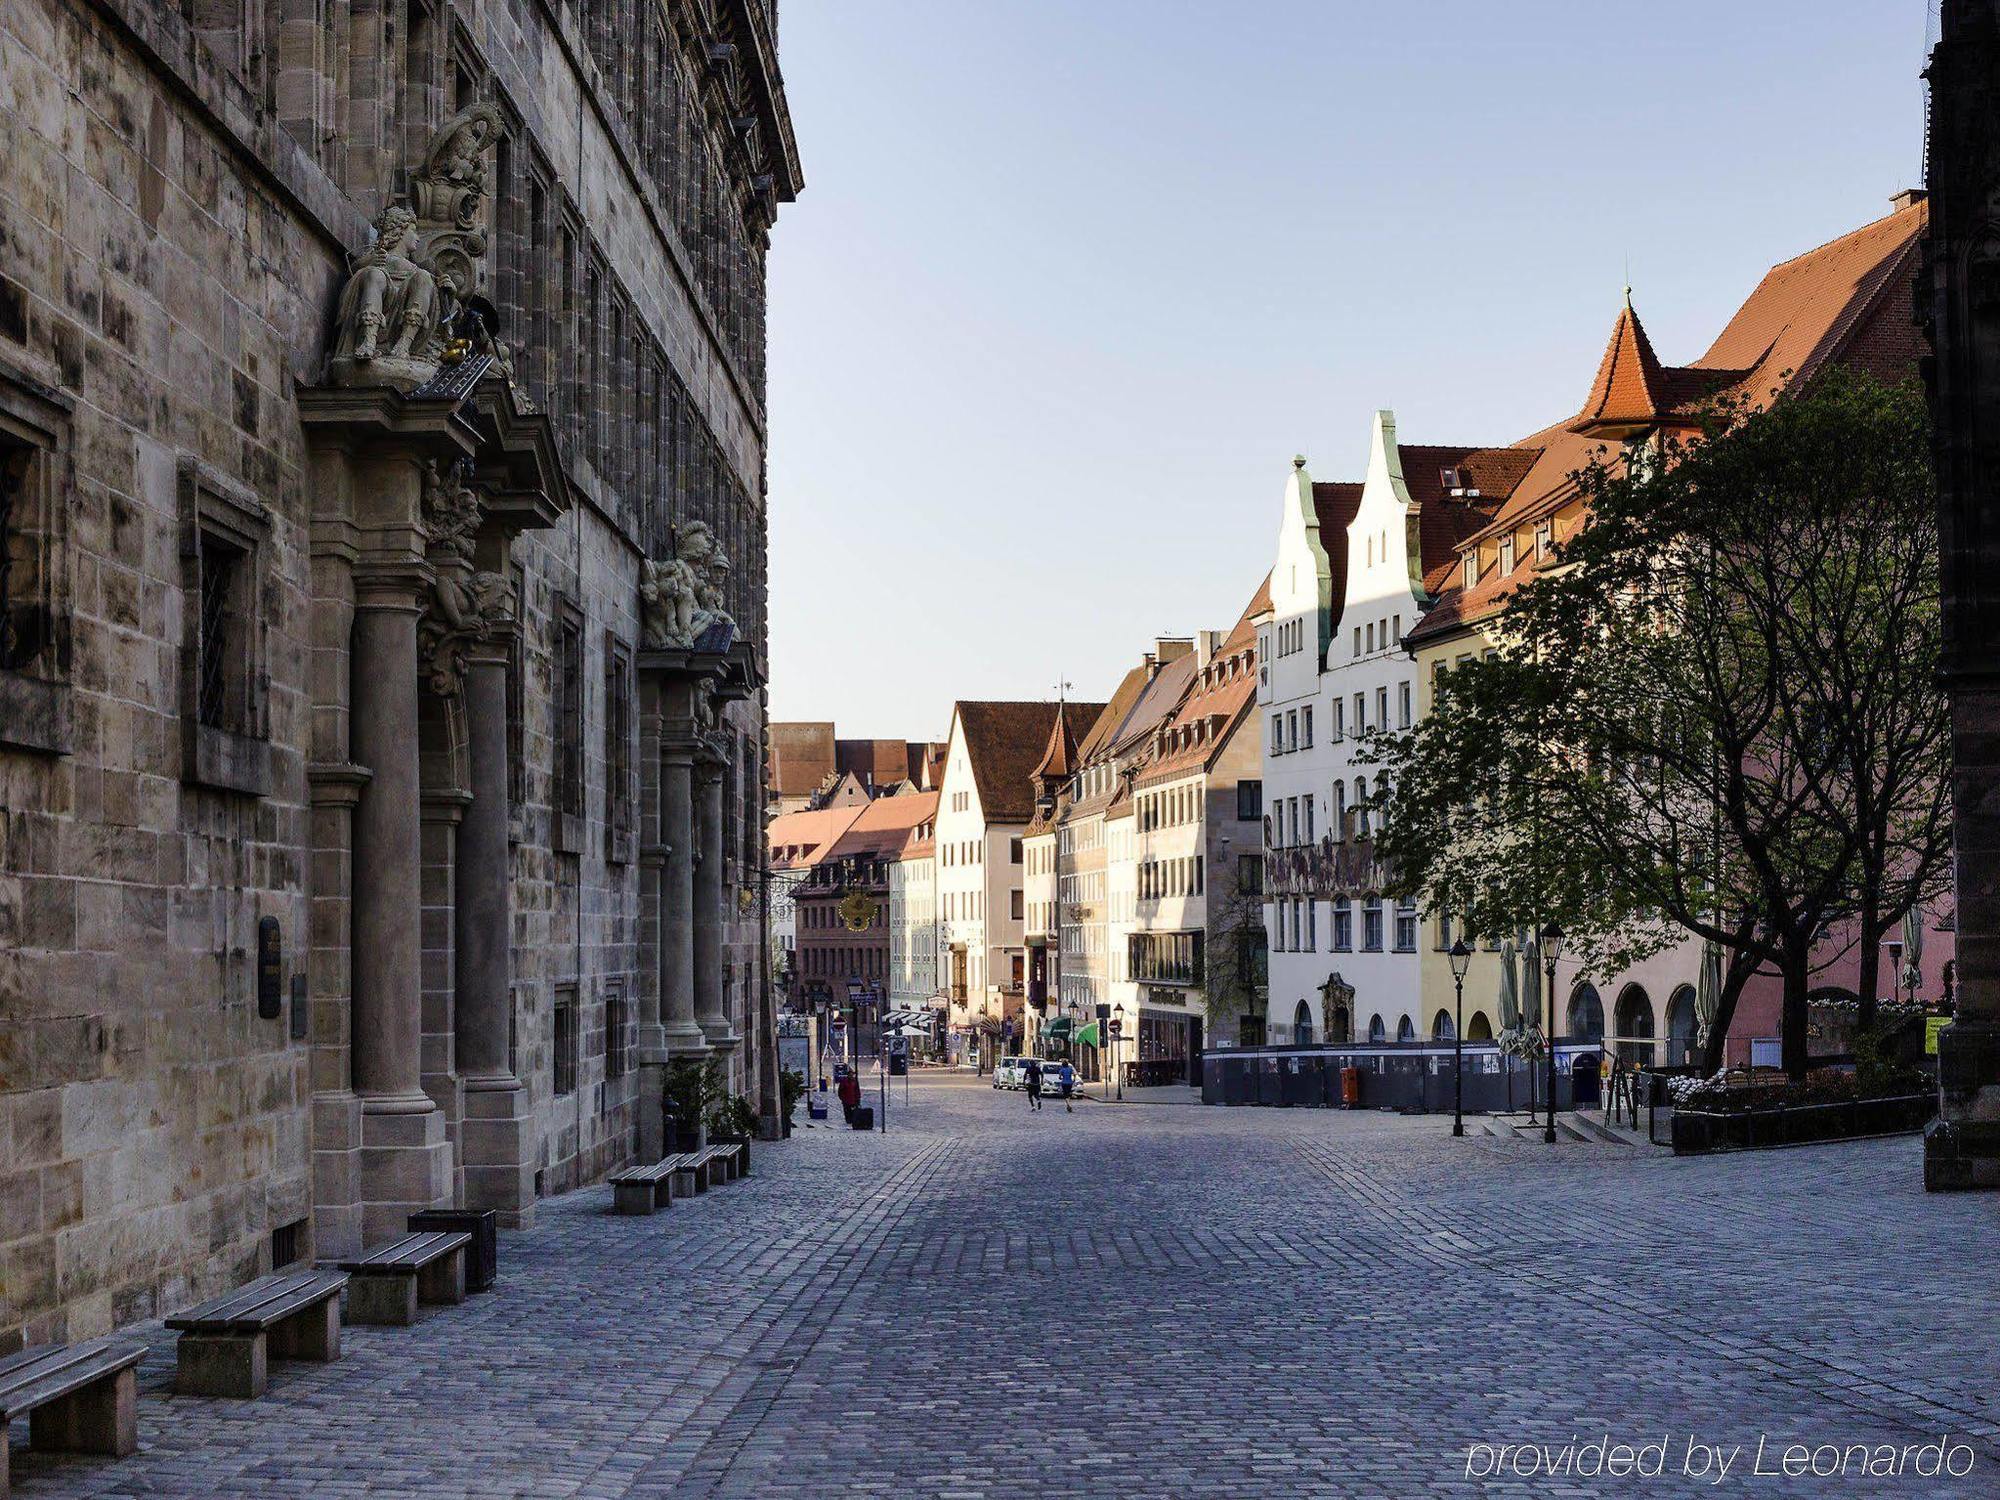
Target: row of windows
(1166, 957)
(1292, 818)
(1295, 925)
(1291, 637)
(1379, 635)
(1292, 730)
(1545, 541)
(846, 963)
(565, 1039)
(1171, 877)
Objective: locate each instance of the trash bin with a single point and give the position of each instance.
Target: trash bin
(1350, 1088)
(862, 1117)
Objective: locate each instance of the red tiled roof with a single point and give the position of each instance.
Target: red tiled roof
(1800, 317)
(1059, 760)
(1443, 519)
(885, 825)
(817, 832)
(1004, 740)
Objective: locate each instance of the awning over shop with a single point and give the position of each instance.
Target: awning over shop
(1059, 1029)
(1087, 1037)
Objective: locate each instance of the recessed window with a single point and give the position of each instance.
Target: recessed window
(617, 1033)
(224, 535)
(1472, 568)
(1506, 556)
(617, 749)
(563, 1041)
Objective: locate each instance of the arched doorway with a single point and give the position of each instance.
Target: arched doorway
(1479, 1029)
(1442, 1029)
(1634, 1015)
(1405, 1030)
(1302, 1025)
(1586, 1015)
(1680, 1026)
(1377, 1032)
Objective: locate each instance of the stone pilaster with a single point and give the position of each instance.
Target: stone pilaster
(443, 812)
(495, 1133)
(652, 1033)
(1962, 303)
(405, 1158)
(711, 1012)
(678, 919)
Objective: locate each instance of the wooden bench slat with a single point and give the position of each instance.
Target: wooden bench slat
(268, 1300)
(37, 1376)
(411, 1253)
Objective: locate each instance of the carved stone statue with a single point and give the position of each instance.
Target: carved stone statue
(390, 288)
(681, 598)
(412, 299)
(467, 604)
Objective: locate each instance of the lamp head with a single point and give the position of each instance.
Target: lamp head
(1461, 959)
(1552, 942)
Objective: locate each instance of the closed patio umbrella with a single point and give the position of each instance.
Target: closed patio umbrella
(1510, 987)
(1913, 948)
(1531, 982)
(1707, 991)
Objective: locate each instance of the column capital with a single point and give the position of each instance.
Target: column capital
(400, 585)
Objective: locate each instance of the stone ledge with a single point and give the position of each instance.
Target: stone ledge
(224, 761)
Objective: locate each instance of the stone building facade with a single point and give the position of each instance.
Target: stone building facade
(382, 616)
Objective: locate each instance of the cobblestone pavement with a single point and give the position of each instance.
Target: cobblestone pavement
(1140, 1300)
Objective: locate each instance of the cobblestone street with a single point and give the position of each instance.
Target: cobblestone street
(1144, 1299)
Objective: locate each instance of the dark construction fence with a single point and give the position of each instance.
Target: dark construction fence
(1415, 1077)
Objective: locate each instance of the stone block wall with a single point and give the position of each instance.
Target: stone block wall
(177, 212)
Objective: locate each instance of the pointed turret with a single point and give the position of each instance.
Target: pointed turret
(1059, 760)
(1630, 393)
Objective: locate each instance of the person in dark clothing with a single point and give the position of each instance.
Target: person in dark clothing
(850, 1093)
(1032, 1076)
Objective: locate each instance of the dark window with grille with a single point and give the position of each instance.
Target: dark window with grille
(617, 745)
(24, 617)
(617, 1034)
(569, 710)
(221, 693)
(563, 1064)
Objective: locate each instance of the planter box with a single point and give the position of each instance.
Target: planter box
(1696, 1131)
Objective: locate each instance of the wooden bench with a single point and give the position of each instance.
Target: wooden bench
(81, 1398)
(390, 1280)
(640, 1190)
(226, 1344)
(714, 1165)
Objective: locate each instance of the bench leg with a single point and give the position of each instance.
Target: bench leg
(687, 1183)
(443, 1280)
(663, 1192)
(103, 1417)
(383, 1301)
(312, 1334)
(632, 1197)
(221, 1365)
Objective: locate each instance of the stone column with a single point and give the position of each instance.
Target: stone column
(709, 916)
(405, 1158)
(1962, 264)
(499, 1170)
(677, 901)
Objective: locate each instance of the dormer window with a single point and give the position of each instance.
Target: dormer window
(1545, 540)
(1472, 568)
(1506, 556)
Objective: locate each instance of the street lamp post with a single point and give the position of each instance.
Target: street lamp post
(1118, 1048)
(1552, 940)
(1461, 960)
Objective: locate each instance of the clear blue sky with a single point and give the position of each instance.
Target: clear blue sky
(1072, 280)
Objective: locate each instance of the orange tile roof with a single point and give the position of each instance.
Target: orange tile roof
(885, 825)
(1004, 740)
(816, 832)
(1801, 317)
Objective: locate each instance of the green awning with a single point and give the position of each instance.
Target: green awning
(1059, 1028)
(1087, 1037)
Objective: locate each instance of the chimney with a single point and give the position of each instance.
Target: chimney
(1908, 198)
(1172, 647)
(1152, 664)
(1206, 644)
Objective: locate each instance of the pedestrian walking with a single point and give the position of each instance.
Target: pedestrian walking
(1066, 1081)
(1032, 1077)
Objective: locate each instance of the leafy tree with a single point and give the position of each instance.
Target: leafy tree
(1716, 715)
(1236, 968)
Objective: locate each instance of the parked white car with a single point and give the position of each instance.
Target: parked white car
(1010, 1073)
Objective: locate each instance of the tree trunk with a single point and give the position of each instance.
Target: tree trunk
(1797, 972)
(1736, 976)
(1871, 966)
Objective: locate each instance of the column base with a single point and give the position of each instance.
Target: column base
(684, 1038)
(652, 1119)
(496, 1142)
(719, 1033)
(1962, 1146)
(406, 1163)
(336, 1162)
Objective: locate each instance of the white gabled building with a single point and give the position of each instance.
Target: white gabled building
(985, 802)
(913, 924)
(1357, 565)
